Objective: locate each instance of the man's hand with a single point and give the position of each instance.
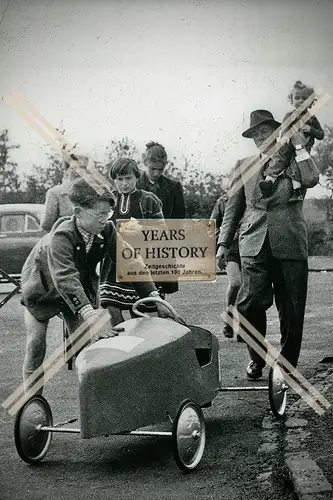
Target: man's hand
(220, 257)
(283, 138)
(305, 128)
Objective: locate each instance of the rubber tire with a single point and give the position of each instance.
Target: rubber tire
(175, 451)
(17, 436)
(279, 416)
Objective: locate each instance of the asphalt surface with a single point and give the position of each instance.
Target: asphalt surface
(121, 467)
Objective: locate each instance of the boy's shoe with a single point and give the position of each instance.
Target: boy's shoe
(296, 196)
(228, 331)
(266, 188)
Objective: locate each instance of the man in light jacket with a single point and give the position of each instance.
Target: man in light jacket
(273, 246)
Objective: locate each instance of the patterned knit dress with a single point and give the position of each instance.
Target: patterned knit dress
(123, 295)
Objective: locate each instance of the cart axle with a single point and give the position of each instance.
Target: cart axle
(146, 433)
(57, 429)
(247, 388)
(72, 430)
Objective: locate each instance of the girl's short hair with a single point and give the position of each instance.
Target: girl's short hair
(84, 195)
(155, 153)
(299, 86)
(124, 166)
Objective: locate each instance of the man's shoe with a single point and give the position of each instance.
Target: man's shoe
(296, 196)
(266, 188)
(254, 371)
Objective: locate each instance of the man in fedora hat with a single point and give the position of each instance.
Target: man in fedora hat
(272, 243)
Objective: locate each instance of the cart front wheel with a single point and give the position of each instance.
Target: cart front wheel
(32, 444)
(277, 391)
(188, 436)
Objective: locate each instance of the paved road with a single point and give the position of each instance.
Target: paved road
(143, 468)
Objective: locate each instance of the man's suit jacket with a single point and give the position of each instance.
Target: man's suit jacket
(283, 222)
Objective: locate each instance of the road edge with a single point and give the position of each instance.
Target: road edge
(308, 479)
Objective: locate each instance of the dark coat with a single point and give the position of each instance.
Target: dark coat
(58, 275)
(171, 194)
(169, 191)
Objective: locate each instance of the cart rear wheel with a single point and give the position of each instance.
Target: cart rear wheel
(277, 391)
(188, 436)
(31, 443)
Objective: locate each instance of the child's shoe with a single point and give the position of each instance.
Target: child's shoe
(228, 331)
(266, 188)
(296, 196)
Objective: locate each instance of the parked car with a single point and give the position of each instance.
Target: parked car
(19, 232)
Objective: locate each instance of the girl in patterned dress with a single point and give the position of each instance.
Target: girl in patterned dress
(130, 203)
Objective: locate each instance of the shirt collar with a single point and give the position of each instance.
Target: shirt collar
(87, 236)
(152, 183)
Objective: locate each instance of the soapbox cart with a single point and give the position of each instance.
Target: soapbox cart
(155, 370)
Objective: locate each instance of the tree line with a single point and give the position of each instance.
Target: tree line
(201, 189)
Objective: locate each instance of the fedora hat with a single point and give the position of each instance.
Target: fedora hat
(258, 117)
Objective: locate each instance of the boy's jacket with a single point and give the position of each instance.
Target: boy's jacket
(58, 274)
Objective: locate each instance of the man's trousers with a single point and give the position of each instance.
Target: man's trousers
(263, 277)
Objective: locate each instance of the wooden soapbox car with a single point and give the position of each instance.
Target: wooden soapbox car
(155, 370)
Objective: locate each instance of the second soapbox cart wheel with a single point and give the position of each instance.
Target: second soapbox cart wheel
(31, 443)
(188, 436)
(277, 391)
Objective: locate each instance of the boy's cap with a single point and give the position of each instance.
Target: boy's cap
(83, 194)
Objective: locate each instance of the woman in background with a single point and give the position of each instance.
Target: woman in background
(57, 202)
(232, 261)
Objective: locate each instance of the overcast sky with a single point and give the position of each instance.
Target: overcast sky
(184, 73)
